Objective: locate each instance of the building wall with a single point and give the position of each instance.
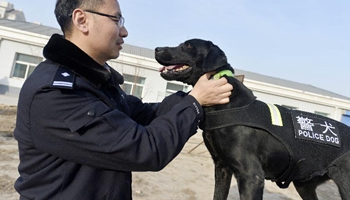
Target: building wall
(8, 50)
(155, 86)
(301, 100)
(14, 41)
(304, 105)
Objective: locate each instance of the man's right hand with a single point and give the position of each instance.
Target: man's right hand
(210, 92)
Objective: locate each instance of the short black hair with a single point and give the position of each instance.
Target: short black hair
(65, 8)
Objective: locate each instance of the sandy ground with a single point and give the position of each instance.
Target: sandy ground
(190, 176)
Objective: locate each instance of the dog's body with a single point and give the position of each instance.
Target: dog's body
(249, 146)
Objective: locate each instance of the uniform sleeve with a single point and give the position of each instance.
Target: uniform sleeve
(144, 113)
(78, 127)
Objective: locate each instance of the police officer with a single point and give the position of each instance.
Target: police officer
(79, 135)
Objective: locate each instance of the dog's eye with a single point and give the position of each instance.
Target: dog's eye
(189, 46)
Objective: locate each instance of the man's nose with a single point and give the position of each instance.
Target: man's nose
(123, 32)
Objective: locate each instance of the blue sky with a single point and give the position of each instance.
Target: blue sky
(305, 41)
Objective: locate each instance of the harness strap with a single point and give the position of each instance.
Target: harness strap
(228, 117)
(287, 177)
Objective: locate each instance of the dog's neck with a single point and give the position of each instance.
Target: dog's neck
(222, 73)
(240, 96)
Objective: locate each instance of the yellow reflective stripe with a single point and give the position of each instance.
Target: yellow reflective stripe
(275, 115)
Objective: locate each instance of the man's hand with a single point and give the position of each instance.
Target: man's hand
(211, 92)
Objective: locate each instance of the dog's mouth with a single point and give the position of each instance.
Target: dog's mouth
(175, 69)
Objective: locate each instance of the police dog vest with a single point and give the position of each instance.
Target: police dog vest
(305, 135)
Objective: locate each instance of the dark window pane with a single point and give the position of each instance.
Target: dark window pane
(19, 71)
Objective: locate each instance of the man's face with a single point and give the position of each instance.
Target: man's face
(105, 35)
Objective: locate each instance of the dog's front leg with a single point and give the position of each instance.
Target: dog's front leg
(250, 180)
(223, 177)
(250, 184)
(250, 189)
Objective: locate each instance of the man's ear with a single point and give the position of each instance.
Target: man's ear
(79, 20)
(215, 59)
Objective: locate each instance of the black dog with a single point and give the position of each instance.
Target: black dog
(256, 141)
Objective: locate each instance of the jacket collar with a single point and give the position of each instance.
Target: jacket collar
(66, 54)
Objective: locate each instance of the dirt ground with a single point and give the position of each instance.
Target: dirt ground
(188, 177)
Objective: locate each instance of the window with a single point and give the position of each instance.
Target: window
(289, 107)
(346, 118)
(321, 113)
(25, 65)
(133, 85)
(172, 88)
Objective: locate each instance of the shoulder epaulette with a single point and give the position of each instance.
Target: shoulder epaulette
(64, 79)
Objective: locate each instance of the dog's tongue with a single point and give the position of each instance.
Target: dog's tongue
(168, 67)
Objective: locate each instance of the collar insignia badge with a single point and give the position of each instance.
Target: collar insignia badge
(65, 74)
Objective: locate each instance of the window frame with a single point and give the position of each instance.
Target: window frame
(322, 113)
(134, 84)
(289, 107)
(185, 88)
(27, 65)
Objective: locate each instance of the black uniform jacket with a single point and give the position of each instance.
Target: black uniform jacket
(80, 135)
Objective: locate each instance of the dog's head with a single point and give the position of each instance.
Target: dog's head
(190, 60)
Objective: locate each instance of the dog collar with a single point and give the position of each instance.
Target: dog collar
(222, 73)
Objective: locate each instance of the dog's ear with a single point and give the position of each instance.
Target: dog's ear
(215, 59)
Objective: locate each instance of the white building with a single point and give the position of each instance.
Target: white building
(21, 46)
